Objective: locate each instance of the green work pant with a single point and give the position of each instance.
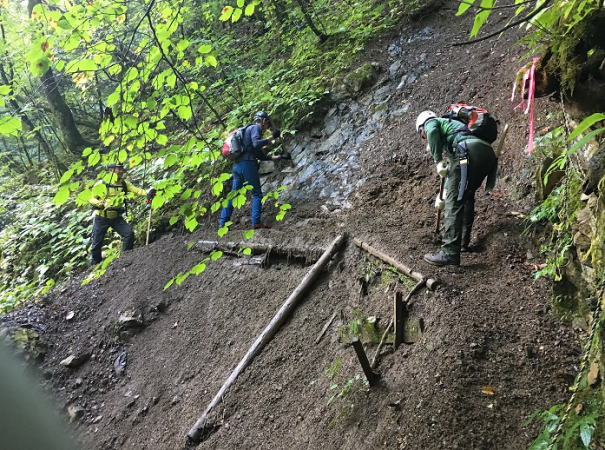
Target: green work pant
(460, 214)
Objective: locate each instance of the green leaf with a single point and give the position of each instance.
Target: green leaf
(198, 268)
(464, 6)
(217, 189)
(482, 16)
(240, 3)
(86, 65)
(191, 223)
(173, 220)
(94, 158)
(211, 60)
(122, 156)
(182, 45)
(222, 231)
(61, 196)
(170, 283)
(250, 9)
(10, 126)
(239, 201)
(237, 13)
(226, 13)
(87, 151)
(216, 255)
(184, 112)
(204, 48)
(66, 176)
(247, 251)
(248, 234)
(585, 124)
(5, 89)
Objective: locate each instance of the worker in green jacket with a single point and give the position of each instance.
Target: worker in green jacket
(465, 161)
(109, 209)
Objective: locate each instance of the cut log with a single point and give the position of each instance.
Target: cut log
(197, 431)
(310, 254)
(430, 282)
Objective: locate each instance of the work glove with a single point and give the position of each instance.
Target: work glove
(276, 134)
(442, 169)
(439, 203)
(150, 194)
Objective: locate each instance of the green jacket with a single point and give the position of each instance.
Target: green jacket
(112, 204)
(443, 134)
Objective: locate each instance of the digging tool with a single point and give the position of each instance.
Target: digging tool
(501, 143)
(441, 186)
(148, 222)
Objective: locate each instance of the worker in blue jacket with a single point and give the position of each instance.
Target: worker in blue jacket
(245, 168)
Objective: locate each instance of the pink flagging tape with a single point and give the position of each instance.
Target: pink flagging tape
(529, 79)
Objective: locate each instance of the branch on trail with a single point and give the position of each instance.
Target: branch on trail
(386, 332)
(309, 254)
(197, 432)
(431, 283)
(325, 328)
(507, 27)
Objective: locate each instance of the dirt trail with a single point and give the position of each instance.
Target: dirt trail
(488, 327)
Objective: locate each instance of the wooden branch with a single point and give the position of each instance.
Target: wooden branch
(384, 335)
(196, 432)
(307, 253)
(325, 328)
(430, 282)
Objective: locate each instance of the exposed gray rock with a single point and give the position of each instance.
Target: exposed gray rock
(75, 412)
(395, 70)
(75, 360)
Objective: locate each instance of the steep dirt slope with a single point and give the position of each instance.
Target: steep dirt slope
(487, 325)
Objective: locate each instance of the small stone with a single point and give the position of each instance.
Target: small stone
(176, 399)
(70, 315)
(75, 412)
(78, 382)
(97, 419)
(73, 361)
(130, 319)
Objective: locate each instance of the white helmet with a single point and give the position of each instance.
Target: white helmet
(423, 117)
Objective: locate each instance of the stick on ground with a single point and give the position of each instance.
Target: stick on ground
(196, 432)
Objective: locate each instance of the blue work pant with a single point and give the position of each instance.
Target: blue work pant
(100, 225)
(245, 171)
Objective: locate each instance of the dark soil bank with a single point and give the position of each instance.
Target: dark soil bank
(491, 352)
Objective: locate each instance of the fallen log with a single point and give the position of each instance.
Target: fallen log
(197, 431)
(431, 283)
(309, 254)
(386, 332)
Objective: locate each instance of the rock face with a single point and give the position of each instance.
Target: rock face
(325, 159)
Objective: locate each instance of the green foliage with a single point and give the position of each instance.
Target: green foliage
(579, 430)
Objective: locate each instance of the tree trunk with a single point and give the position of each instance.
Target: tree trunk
(71, 135)
(305, 10)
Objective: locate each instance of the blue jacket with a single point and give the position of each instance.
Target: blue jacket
(253, 144)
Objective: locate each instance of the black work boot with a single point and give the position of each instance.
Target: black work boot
(439, 259)
(465, 248)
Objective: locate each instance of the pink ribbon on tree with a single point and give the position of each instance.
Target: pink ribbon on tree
(529, 80)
